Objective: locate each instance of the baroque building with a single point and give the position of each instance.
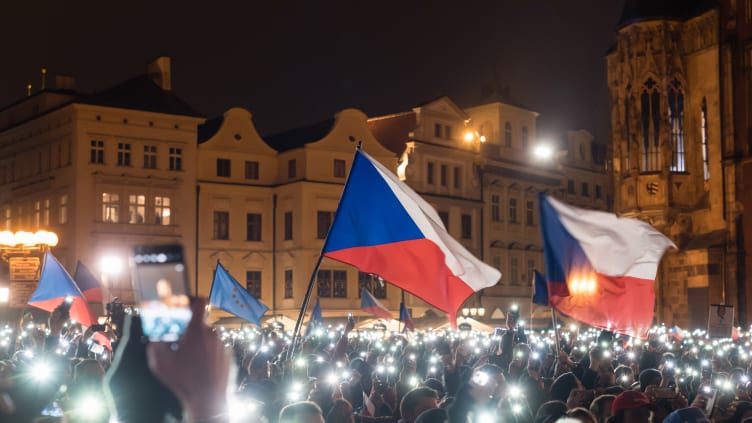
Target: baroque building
(667, 76)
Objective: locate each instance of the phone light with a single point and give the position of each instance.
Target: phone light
(516, 408)
(486, 418)
(481, 378)
(515, 391)
(89, 407)
(41, 371)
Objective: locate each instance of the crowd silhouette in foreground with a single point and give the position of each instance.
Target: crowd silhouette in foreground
(57, 371)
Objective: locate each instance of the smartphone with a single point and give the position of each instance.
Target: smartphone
(161, 284)
(711, 394)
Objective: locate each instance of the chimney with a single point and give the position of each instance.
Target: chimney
(65, 82)
(159, 72)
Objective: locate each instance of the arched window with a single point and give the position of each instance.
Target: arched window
(650, 104)
(676, 122)
(508, 134)
(704, 135)
(628, 129)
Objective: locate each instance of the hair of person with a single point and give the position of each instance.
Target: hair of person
(562, 386)
(597, 407)
(413, 396)
(294, 413)
(579, 412)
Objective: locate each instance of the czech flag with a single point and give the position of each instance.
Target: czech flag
(383, 227)
(405, 318)
(600, 268)
(55, 284)
(88, 283)
(371, 305)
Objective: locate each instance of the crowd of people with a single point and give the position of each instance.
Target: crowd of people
(60, 372)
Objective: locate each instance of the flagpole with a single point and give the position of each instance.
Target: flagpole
(556, 331)
(312, 281)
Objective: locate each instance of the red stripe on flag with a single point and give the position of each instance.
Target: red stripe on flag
(417, 266)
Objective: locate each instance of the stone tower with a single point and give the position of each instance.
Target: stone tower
(664, 76)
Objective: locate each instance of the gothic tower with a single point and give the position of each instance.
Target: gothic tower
(665, 87)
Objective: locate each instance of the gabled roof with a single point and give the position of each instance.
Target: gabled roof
(140, 93)
(298, 137)
(207, 129)
(645, 10)
(393, 131)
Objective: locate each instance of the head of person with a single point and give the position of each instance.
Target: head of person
(688, 414)
(601, 407)
(624, 375)
(632, 407)
(341, 412)
(550, 411)
(581, 414)
(434, 415)
(416, 401)
(436, 385)
(649, 377)
(301, 412)
(563, 385)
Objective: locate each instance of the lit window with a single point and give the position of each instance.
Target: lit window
(676, 125)
(110, 207)
(136, 209)
(162, 215)
(62, 217)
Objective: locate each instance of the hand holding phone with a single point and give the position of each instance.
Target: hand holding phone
(161, 287)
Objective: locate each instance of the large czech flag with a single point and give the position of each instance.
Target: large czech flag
(383, 227)
(600, 268)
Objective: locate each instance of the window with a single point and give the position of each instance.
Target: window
(444, 216)
(251, 170)
(332, 283)
(507, 134)
(585, 189)
(252, 227)
(524, 137)
(62, 216)
(530, 272)
(448, 132)
(598, 193)
(570, 187)
(288, 283)
(288, 226)
(457, 177)
(513, 210)
(8, 218)
(136, 209)
(110, 207)
(223, 168)
(650, 118)
(514, 271)
(221, 225)
(292, 169)
(150, 157)
(339, 288)
(253, 283)
(372, 284)
(704, 135)
(37, 213)
(443, 175)
(467, 226)
(496, 262)
(495, 216)
(176, 158)
(97, 152)
(162, 212)
(339, 168)
(124, 154)
(529, 213)
(676, 124)
(430, 171)
(437, 130)
(323, 221)
(628, 103)
(46, 212)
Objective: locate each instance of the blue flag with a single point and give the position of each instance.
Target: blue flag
(227, 294)
(540, 289)
(316, 318)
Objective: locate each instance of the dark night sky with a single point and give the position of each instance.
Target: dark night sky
(292, 63)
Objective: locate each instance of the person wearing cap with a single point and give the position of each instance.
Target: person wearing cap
(632, 407)
(688, 414)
